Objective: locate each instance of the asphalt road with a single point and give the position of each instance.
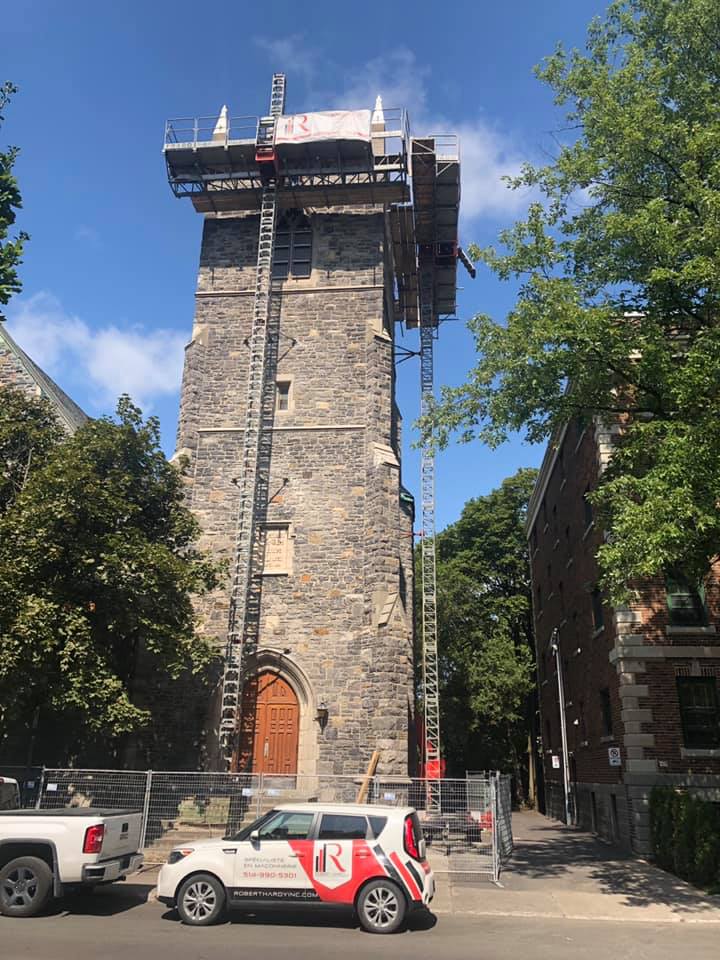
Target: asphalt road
(117, 923)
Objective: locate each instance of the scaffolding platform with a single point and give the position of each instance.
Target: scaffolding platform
(220, 171)
(214, 162)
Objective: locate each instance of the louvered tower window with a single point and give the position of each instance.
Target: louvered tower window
(293, 246)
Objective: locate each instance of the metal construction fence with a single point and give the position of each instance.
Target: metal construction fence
(466, 822)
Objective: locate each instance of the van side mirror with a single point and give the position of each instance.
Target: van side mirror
(255, 836)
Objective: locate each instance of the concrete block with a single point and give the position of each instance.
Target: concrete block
(639, 740)
(635, 716)
(641, 766)
(633, 690)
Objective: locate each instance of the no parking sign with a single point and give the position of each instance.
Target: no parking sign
(614, 758)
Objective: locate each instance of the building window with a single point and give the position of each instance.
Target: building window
(686, 603)
(561, 594)
(587, 506)
(544, 513)
(278, 548)
(539, 598)
(597, 609)
(533, 539)
(606, 713)
(699, 712)
(293, 246)
(283, 396)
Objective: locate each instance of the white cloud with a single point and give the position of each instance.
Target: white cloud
(146, 364)
(487, 153)
(87, 234)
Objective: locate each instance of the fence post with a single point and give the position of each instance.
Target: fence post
(495, 811)
(40, 789)
(259, 795)
(146, 807)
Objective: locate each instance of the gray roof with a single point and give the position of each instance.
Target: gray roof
(68, 412)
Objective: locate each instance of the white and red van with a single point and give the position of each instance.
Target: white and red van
(371, 858)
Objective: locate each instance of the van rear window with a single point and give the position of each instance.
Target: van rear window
(377, 825)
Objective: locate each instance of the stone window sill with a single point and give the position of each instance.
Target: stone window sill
(688, 753)
(563, 484)
(672, 631)
(569, 563)
(580, 440)
(598, 631)
(608, 739)
(556, 544)
(546, 528)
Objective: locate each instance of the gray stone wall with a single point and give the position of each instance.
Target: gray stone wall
(342, 617)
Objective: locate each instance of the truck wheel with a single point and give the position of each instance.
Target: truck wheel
(25, 886)
(201, 900)
(381, 907)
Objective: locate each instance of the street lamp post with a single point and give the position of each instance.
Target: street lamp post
(555, 646)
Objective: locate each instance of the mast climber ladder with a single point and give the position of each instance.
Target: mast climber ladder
(431, 691)
(243, 622)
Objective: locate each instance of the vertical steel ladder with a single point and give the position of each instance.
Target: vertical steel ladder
(247, 543)
(431, 746)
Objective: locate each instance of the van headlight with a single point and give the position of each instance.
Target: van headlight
(177, 855)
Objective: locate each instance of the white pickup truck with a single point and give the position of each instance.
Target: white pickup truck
(45, 852)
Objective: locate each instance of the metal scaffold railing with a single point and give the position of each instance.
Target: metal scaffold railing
(242, 628)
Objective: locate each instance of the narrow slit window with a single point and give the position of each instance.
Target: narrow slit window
(283, 395)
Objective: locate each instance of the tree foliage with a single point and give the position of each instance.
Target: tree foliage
(10, 201)
(485, 641)
(618, 264)
(97, 569)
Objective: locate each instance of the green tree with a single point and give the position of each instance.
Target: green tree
(618, 264)
(29, 430)
(10, 201)
(485, 639)
(97, 572)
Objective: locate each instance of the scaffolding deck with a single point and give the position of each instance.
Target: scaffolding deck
(417, 179)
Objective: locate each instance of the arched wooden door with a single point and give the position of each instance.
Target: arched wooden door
(269, 732)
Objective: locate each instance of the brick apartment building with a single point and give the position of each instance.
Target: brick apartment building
(640, 682)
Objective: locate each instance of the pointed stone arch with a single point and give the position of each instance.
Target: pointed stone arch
(272, 660)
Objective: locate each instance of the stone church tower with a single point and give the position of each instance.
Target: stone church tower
(332, 676)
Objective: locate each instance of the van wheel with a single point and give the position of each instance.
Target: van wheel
(381, 907)
(201, 900)
(25, 886)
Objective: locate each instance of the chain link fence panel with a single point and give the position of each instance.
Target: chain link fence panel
(466, 822)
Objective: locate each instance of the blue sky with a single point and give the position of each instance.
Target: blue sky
(109, 273)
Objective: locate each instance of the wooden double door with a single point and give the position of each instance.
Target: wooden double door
(269, 726)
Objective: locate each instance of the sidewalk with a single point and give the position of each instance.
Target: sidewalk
(560, 872)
